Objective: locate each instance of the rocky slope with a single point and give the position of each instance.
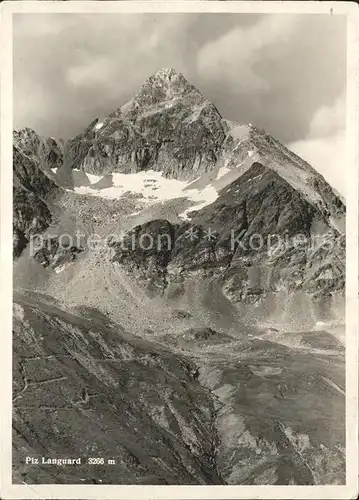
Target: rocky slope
(41, 173)
(83, 387)
(50, 154)
(47, 152)
(260, 238)
(220, 411)
(246, 144)
(281, 419)
(267, 196)
(33, 189)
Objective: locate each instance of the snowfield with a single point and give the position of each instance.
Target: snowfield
(150, 185)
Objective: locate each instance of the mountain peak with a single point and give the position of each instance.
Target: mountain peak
(22, 134)
(168, 76)
(166, 73)
(164, 85)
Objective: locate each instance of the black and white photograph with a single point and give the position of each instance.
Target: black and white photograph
(181, 187)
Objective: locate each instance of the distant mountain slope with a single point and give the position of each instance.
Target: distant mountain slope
(169, 126)
(239, 182)
(260, 237)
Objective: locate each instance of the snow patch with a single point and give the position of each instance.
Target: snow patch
(94, 178)
(19, 312)
(135, 213)
(59, 268)
(152, 187)
(320, 325)
(338, 223)
(207, 196)
(222, 171)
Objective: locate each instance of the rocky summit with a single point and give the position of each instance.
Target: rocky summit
(180, 313)
(168, 126)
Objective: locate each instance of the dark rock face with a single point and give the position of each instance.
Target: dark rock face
(271, 230)
(80, 145)
(201, 336)
(246, 144)
(147, 252)
(260, 202)
(168, 126)
(56, 254)
(47, 151)
(163, 86)
(84, 389)
(31, 190)
(260, 236)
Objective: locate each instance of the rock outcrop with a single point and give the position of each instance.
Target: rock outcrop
(247, 144)
(32, 190)
(48, 152)
(56, 254)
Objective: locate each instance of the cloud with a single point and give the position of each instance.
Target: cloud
(88, 66)
(98, 66)
(329, 119)
(234, 56)
(89, 73)
(270, 70)
(325, 147)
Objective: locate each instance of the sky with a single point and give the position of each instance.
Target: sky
(284, 73)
